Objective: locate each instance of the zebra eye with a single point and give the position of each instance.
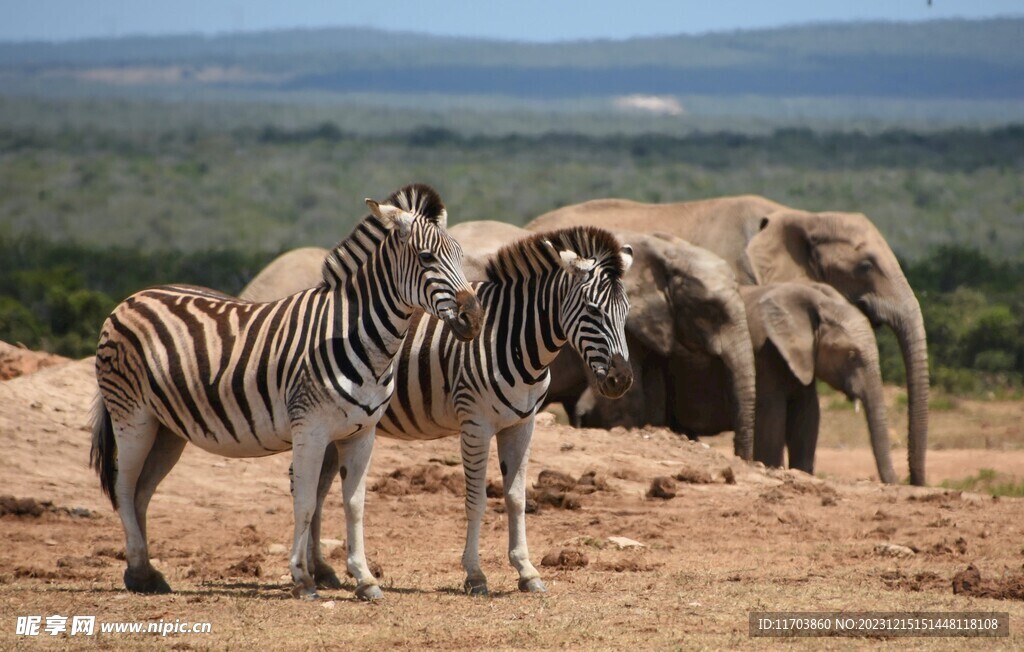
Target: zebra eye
(594, 309)
(427, 258)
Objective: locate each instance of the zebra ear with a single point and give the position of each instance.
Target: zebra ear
(393, 217)
(576, 265)
(626, 253)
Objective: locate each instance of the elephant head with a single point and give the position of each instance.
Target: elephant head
(291, 272)
(821, 335)
(684, 302)
(847, 252)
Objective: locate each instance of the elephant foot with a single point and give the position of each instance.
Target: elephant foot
(326, 578)
(147, 580)
(475, 586)
(532, 585)
(369, 592)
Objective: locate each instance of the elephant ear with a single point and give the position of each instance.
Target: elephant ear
(650, 314)
(790, 328)
(781, 250)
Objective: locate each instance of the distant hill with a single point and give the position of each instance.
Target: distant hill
(949, 59)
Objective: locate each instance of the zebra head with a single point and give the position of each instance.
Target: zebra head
(428, 263)
(595, 307)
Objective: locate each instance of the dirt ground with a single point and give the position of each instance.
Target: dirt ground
(772, 540)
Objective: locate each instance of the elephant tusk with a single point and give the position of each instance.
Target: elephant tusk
(856, 405)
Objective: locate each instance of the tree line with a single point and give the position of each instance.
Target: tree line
(55, 297)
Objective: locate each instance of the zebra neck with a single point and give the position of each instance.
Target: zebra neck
(524, 322)
(370, 312)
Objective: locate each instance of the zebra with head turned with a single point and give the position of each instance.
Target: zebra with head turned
(541, 293)
(310, 372)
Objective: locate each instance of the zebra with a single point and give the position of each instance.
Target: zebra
(541, 292)
(181, 364)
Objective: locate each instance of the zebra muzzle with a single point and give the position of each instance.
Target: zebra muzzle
(469, 318)
(614, 380)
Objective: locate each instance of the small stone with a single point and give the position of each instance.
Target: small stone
(277, 549)
(327, 605)
(565, 558)
(623, 542)
(893, 550)
(50, 542)
(662, 487)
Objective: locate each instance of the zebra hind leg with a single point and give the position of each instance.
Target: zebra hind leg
(135, 440)
(324, 576)
(475, 448)
(513, 454)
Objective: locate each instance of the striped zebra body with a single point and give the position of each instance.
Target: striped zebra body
(542, 293)
(181, 364)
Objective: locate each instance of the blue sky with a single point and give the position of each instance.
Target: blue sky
(531, 20)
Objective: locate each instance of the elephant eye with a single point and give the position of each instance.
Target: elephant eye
(427, 258)
(865, 266)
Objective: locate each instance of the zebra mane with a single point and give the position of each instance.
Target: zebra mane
(520, 258)
(348, 255)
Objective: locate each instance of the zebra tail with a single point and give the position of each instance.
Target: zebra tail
(103, 456)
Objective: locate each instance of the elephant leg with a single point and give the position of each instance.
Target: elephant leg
(770, 428)
(802, 429)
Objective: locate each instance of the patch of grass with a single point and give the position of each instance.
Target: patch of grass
(942, 403)
(988, 481)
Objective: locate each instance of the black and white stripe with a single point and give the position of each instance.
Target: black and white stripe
(542, 292)
(181, 364)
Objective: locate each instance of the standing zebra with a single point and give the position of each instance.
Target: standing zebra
(542, 292)
(180, 364)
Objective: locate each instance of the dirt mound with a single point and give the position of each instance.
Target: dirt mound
(420, 479)
(32, 508)
(18, 361)
(566, 558)
(970, 582)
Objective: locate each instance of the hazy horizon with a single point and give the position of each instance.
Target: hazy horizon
(526, 21)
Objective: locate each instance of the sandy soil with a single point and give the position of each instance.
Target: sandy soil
(774, 540)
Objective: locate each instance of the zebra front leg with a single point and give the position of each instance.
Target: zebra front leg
(513, 454)
(307, 462)
(355, 453)
(323, 573)
(134, 444)
(475, 446)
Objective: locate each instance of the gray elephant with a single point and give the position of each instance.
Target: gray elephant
(801, 332)
(685, 315)
(291, 272)
(766, 242)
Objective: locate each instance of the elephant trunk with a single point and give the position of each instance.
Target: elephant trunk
(738, 356)
(911, 335)
(878, 424)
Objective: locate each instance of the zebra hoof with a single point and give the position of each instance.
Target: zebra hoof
(146, 581)
(303, 592)
(475, 587)
(369, 592)
(327, 579)
(532, 585)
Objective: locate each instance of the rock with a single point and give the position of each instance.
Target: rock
(555, 480)
(18, 361)
(565, 558)
(277, 549)
(327, 605)
(695, 476)
(328, 545)
(623, 542)
(893, 550)
(662, 487)
(967, 581)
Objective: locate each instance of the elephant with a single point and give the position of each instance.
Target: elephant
(291, 272)
(799, 332)
(767, 242)
(686, 313)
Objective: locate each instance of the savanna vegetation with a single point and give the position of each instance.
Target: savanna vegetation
(89, 214)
